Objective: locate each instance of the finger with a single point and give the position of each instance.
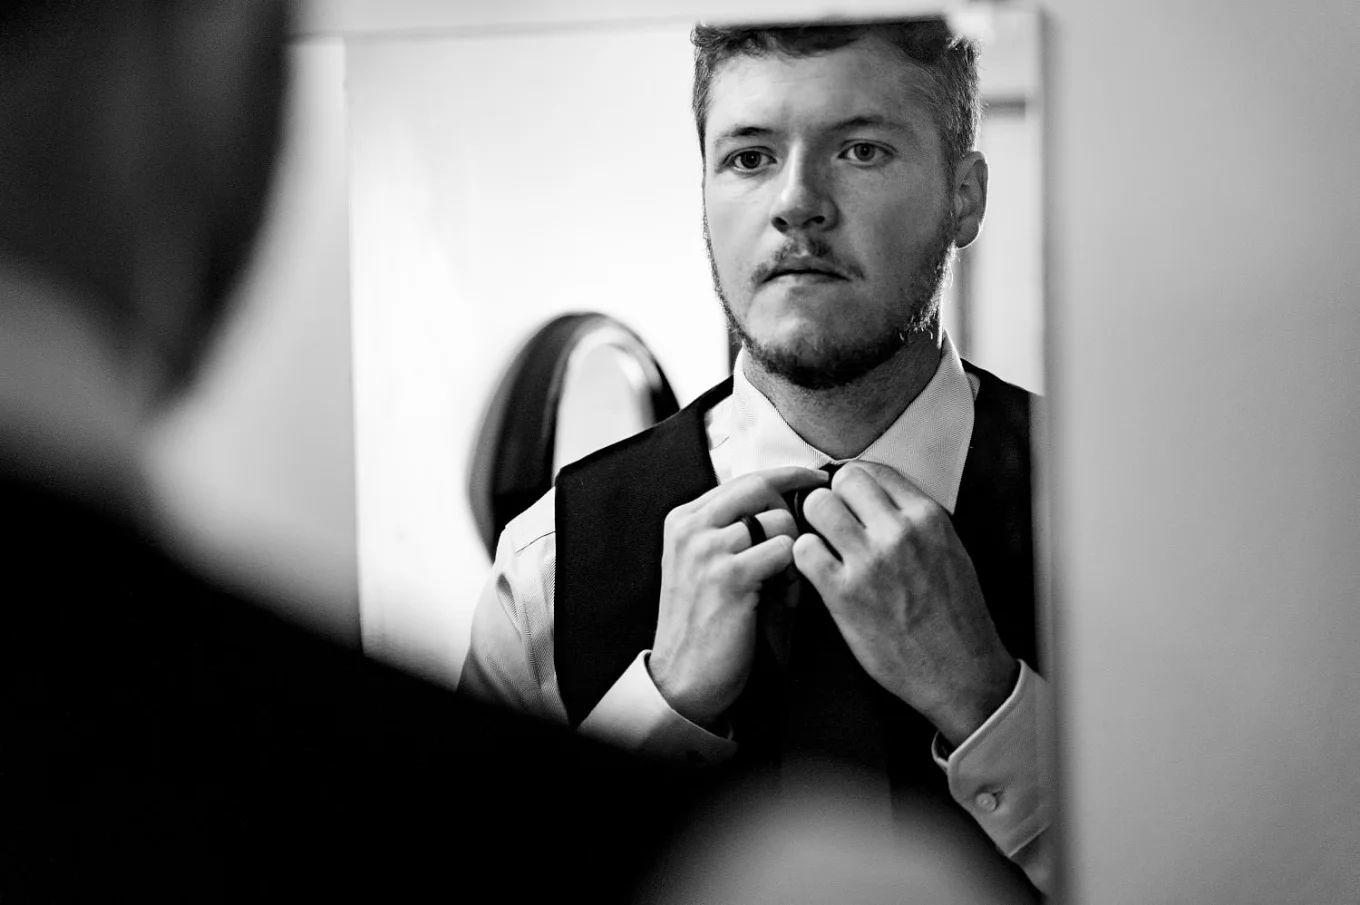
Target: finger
(828, 515)
(900, 489)
(814, 559)
(775, 522)
(756, 492)
(866, 498)
(778, 522)
(765, 560)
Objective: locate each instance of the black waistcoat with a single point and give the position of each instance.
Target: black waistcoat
(611, 505)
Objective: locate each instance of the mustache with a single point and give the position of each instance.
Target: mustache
(812, 254)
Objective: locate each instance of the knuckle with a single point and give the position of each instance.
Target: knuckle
(674, 520)
(697, 545)
(779, 522)
(764, 488)
(917, 512)
(928, 513)
(723, 572)
(746, 482)
(851, 472)
(903, 524)
(816, 499)
(857, 474)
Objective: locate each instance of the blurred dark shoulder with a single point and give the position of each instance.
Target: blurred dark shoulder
(164, 732)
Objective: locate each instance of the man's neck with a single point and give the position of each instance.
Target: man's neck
(71, 419)
(843, 421)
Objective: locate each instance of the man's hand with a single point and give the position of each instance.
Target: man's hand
(904, 593)
(710, 584)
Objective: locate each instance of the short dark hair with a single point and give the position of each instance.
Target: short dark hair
(947, 59)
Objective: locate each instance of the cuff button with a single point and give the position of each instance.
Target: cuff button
(986, 801)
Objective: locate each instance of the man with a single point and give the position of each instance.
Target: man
(702, 590)
(165, 739)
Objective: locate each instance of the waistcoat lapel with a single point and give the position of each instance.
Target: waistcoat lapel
(610, 508)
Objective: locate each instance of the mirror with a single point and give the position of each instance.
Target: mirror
(503, 176)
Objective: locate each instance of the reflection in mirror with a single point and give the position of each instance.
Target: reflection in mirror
(607, 395)
(581, 382)
(837, 174)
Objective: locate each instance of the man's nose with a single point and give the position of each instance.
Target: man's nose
(804, 201)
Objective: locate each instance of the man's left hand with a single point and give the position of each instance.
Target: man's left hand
(900, 586)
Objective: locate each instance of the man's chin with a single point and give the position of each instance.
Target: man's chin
(820, 365)
(801, 306)
(813, 346)
(804, 329)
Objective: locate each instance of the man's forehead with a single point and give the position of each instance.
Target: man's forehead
(864, 80)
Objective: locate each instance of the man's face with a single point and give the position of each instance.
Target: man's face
(828, 208)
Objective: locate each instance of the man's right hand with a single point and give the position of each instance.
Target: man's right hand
(711, 577)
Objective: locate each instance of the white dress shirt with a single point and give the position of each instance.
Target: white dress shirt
(995, 774)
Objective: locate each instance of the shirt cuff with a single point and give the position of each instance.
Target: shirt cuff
(635, 717)
(997, 774)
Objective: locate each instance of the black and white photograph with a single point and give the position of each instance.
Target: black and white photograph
(681, 452)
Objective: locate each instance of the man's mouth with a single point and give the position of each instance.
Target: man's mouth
(811, 271)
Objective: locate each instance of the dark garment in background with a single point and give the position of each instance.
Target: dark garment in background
(164, 739)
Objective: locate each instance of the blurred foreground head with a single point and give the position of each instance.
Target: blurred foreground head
(136, 142)
(823, 840)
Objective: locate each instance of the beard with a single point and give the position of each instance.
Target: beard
(824, 362)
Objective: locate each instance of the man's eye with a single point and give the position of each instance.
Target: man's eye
(748, 160)
(863, 152)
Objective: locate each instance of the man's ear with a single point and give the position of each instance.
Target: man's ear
(969, 188)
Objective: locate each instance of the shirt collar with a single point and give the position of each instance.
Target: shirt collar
(928, 442)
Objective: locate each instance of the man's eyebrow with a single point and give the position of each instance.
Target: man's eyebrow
(863, 121)
(871, 121)
(737, 132)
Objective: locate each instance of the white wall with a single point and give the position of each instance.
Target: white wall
(1207, 421)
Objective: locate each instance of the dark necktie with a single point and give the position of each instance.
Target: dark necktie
(779, 600)
(829, 708)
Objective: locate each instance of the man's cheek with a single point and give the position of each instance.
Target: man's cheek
(735, 276)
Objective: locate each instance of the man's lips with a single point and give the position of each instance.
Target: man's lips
(804, 272)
